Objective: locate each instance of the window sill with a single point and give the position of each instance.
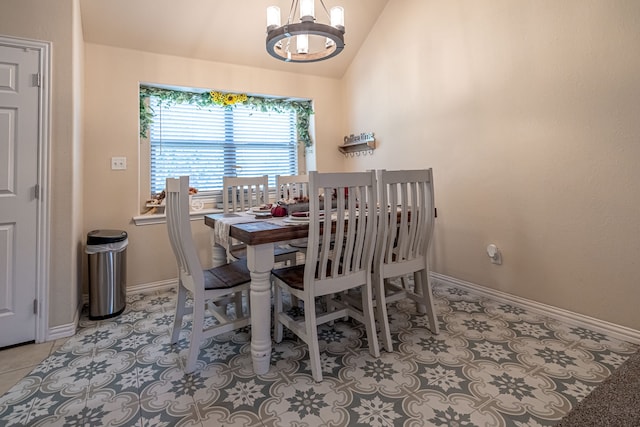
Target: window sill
(161, 218)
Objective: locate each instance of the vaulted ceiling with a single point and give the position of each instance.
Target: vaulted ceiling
(230, 31)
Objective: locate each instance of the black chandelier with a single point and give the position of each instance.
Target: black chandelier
(307, 40)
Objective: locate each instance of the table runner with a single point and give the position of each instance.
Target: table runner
(223, 225)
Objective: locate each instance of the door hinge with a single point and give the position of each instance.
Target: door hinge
(37, 80)
(36, 191)
(35, 306)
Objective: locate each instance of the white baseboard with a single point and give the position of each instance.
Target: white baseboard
(69, 329)
(610, 329)
(66, 330)
(162, 285)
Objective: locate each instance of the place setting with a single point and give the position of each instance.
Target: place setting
(296, 218)
(261, 212)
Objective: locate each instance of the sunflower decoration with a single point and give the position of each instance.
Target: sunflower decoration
(228, 99)
(217, 97)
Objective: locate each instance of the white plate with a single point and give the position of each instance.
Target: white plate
(260, 209)
(292, 221)
(298, 218)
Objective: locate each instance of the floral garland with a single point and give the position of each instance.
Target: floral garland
(226, 99)
(169, 97)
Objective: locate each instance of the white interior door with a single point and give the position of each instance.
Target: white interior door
(19, 125)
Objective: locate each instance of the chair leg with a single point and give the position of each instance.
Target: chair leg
(237, 302)
(369, 320)
(277, 309)
(180, 309)
(405, 283)
(381, 306)
(196, 336)
(311, 326)
(329, 306)
(291, 259)
(417, 289)
(427, 294)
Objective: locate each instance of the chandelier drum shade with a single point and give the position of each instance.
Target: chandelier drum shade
(306, 40)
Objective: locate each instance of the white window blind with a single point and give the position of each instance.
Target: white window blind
(208, 143)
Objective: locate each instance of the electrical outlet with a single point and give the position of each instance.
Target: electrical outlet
(118, 163)
(494, 254)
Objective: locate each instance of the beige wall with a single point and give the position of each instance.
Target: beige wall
(111, 129)
(56, 22)
(528, 112)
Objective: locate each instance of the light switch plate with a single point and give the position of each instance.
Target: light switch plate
(118, 163)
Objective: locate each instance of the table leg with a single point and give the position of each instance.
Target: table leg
(260, 263)
(218, 253)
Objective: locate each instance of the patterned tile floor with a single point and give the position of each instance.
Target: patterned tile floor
(493, 364)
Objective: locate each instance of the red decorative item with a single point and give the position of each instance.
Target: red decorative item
(278, 211)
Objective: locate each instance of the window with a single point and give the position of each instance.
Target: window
(212, 141)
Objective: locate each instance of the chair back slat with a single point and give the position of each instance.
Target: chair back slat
(340, 253)
(242, 193)
(388, 207)
(321, 237)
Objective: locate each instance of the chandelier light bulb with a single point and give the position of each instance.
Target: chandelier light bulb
(273, 17)
(337, 17)
(302, 43)
(307, 10)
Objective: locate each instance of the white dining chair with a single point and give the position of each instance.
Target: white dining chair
(333, 265)
(289, 187)
(211, 289)
(405, 231)
(240, 194)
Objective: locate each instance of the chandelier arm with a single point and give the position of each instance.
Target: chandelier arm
(325, 9)
(288, 48)
(292, 11)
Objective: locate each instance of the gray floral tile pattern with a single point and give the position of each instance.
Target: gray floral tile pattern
(493, 364)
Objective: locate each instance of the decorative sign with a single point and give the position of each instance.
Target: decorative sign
(363, 137)
(355, 144)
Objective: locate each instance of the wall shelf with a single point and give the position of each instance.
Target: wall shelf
(354, 145)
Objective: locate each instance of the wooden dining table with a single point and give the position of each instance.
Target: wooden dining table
(260, 236)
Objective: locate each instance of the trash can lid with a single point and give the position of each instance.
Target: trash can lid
(99, 237)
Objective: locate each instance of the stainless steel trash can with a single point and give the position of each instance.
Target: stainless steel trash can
(107, 252)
